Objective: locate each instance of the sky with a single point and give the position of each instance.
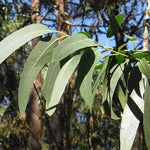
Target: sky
(103, 40)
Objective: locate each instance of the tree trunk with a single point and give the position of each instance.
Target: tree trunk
(60, 123)
(146, 28)
(68, 105)
(35, 112)
(119, 36)
(35, 121)
(61, 16)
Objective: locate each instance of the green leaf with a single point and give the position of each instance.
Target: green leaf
(110, 32)
(115, 25)
(120, 59)
(117, 72)
(52, 73)
(110, 102)
(129, 125)
(86, 85)
(35, 63)
(61, 82)
(122, 46)
(122, 96)
(72, 44)
(119, 18)
(133, 39)
(130, 120)
(141, 55)
(99, 66)
(146, 117)
(43, 75)
(115, 78)
(104, 89)
(85, 64)
(85, 33)
(103, 76)
(103, 68)
(144, 68)
(19, 38)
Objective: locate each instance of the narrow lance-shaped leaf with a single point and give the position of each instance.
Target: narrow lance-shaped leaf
(52, 73)
(133, 39)
(122, 95)
(19, 38)
(86, 85)
(104, 78)
(130, 122)
(85, 65)
(40, 55)
(141, 55)
(146, 117)
(144, 68)
(43, 74)
(113, 84)
(72, 44)
(61, 82)
(129, 125)
(122, 88)
(100, 74)
(115, 78)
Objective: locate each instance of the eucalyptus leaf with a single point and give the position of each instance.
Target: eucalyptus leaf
(103, 76)
(85, 64)
(86, 85)
(115, 78)
(122, 46)
(131, 118)
(122, 89)
(119, 18)
(120, 59)
(122, 96)
(52, 73)
(99, 66)
(129, 126)
(34, 64)
(144, 68)
(19, 38)
(72, 44)
(117, 72)
(141, 55)
(115, 25)
(146, 117)
(43, 75)
(61, 82)
(133, 39)
(103, 69)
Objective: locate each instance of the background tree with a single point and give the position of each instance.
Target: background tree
(34, 104)
(9, 76)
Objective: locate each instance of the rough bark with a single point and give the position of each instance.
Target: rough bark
(62, 17)
(35, 112)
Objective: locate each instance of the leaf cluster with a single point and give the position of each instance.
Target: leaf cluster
(124, 74)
